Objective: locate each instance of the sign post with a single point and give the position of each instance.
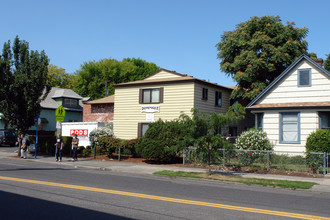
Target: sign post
(59, 114)
(36, 120)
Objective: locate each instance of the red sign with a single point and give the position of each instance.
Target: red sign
(81, 132)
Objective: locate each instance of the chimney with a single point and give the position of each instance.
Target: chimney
(319, 61)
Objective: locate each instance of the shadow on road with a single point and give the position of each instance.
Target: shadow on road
(13, 206)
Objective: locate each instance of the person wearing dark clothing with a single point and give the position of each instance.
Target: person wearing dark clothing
(58, 148)
(75, 142)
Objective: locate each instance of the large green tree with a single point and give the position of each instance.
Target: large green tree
(57, 77)
(257, 51)
(93, 75)
(23, 76)
(327, 63)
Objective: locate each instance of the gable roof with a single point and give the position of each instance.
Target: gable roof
(182, 78)
(287, 70)
(105, 100)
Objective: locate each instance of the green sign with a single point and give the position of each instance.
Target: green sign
(60, 113)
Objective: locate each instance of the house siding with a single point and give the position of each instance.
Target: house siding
(162, 75)
(287, 90)
(309, 122)
(178, 97)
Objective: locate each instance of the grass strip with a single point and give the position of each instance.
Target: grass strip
(249, 181)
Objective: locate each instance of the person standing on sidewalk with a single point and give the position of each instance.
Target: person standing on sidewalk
(58, 148)
(75, 142)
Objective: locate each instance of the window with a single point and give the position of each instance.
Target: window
(324, 122)
(142, 128)
(304, 77)
(259, 120)
(218, 98)
(205, 93)
(290, 127)
(151, 95)
(70, 103)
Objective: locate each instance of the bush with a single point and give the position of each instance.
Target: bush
(86, 151)
(45, 143)
(252, 139)
(97, 133)
(129, 147)
(318, 141)
(156, 150)
(109, 145)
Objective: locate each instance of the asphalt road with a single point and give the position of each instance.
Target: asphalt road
(61, 192)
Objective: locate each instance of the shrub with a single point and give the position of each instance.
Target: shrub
(252, 139)
(317, 141)
(109, 145)
(129, 147)
(45, 143)
(86, 151)
(156, 150)
(99, 132)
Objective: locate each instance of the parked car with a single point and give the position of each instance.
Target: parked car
(8, 137)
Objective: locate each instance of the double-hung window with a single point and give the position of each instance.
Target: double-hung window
(304, 77)
(70, 103)
(142, 129)
(259, 121)
(218, 98)
(290, 127)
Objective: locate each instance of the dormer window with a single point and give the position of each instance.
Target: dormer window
(304, 77)
(71, 103)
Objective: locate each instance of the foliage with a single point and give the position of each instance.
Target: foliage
(129, 147)
(86, 151)
(45, 143)
(257, 51)
(57, 77)
(92, 75)
(67, 145)
(163, 137)
(252, 139)
(318, 141)
(99, 132)
(109, 145)
(23, 76)
(327, 63)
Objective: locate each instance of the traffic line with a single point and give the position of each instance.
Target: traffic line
(168, 199)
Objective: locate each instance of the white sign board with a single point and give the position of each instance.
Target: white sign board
(150, 108)
(150, 117)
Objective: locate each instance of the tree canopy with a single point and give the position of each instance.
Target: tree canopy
(93, 75)
(23, 76)
(327, 63)
(57, 77)
(257, 51)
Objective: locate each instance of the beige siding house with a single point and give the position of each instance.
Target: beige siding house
(294, 105)
(164, 94)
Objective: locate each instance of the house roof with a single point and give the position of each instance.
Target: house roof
(105, 100)
(290, 105)
(286, 71)
(65, 93)
(54, 92)
(182, 78)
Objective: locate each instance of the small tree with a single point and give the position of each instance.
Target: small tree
(327, 63)
(23, 76)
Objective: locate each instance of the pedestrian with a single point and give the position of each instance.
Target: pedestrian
(23, 143)
(75, 142)
(58, 148)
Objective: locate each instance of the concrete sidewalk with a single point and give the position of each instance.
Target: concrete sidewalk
(120, 166)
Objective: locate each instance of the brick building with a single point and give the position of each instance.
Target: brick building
(100, 110)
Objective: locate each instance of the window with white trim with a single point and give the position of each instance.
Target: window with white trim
(290, 127)
(304, 77)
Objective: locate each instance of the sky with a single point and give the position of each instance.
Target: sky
(177, 35)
